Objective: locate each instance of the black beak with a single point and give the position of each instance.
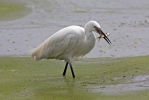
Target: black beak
(105, 37)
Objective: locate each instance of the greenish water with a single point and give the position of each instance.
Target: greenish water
(22, 78)
(11, 10)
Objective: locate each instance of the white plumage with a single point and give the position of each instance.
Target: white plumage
(68, 43)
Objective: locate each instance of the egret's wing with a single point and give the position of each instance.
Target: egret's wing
(61, 43)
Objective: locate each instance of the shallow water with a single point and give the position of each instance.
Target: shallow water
(136, 83)
(126, 21)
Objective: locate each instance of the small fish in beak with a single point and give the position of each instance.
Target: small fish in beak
(105, 36)
(102, 36)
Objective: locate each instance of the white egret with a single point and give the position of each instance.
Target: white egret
(69, 43)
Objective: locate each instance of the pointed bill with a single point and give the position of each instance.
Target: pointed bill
(105, 37)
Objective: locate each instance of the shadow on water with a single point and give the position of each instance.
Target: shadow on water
(70, 83)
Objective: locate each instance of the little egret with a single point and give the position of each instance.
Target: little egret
(69, 43)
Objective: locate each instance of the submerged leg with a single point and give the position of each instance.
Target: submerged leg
(72, 71)
(64, 72)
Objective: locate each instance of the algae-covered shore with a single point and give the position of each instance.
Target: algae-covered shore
(22, 78)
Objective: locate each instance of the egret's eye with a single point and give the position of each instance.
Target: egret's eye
(95, 27)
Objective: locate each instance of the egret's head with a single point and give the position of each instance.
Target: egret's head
(91, 25)
(94, 26)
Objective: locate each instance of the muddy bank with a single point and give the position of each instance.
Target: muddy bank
(126, 21)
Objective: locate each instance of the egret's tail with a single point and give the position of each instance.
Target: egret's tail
(40, 52)
(35, 53)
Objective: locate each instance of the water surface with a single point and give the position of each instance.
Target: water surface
(126, 21)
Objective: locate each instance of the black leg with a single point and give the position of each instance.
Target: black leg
(64, 72)
(72, 71)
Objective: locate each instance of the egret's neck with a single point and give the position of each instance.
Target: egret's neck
(89, 33)
(90, 39)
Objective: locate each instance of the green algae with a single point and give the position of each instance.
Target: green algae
(22, 78)
(12, 10)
